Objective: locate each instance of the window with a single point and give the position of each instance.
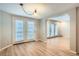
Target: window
(48, 29)
(19, 30)
(31, 30)
(52, 29)
(56, 30)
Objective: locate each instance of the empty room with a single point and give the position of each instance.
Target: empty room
(39, 29)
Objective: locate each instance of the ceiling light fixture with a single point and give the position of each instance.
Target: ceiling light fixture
(30, 12)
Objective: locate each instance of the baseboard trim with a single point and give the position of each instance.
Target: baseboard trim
(6, 47)
(27, 42)
(22, 42)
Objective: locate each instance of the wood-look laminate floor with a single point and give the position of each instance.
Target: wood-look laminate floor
(51, 47)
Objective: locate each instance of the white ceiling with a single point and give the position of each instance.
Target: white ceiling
(64, 17)
(43, 10)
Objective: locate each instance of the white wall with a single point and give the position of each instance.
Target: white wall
(5, 29)
(64, 28)
(69, 28)
(72, 14)
(37, 30)
(43, 30)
